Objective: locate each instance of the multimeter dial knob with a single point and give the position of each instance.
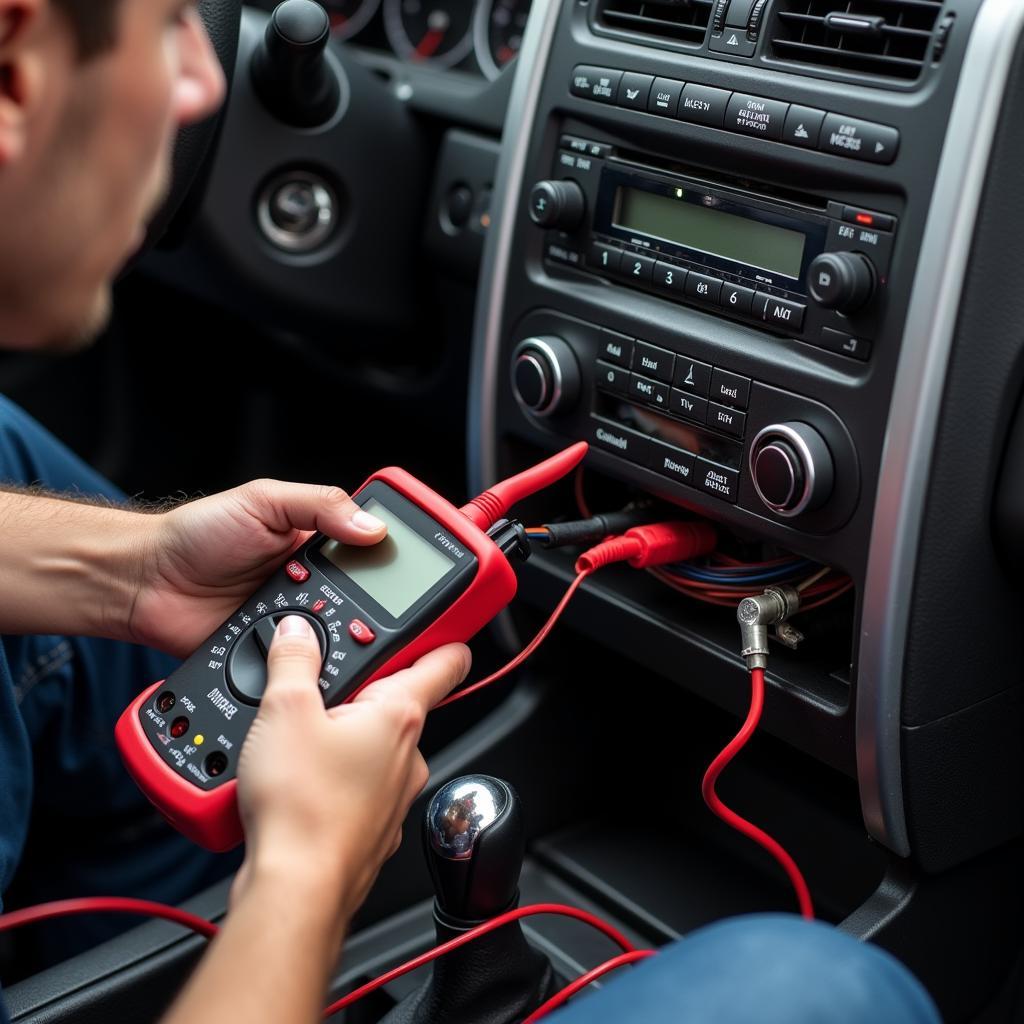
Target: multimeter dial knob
(792, 468)
(247, 662)
(557, 204)
(545, 375)
(843, 281)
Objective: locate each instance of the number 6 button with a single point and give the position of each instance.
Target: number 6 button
(668, 278)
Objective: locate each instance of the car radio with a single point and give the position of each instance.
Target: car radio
(813, 270)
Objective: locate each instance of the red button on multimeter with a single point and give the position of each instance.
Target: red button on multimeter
(441, 574)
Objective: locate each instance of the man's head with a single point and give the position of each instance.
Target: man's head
(92, 93)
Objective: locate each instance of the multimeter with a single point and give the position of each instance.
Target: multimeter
(440, 575)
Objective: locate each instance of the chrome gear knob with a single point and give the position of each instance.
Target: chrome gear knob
(474, 844)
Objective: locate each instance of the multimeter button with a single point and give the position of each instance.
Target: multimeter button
(296, 571)
(361, 632)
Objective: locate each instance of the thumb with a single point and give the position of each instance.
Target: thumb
(293, 668)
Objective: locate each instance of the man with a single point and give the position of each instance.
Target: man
(91, 95)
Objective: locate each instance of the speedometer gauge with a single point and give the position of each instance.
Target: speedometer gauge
(435, 31)
(349, 16)
(498, 33)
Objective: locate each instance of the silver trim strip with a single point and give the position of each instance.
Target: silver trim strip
(914, 415)
(522, 112)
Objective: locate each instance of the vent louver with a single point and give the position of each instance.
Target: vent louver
(889, 38)
(678, 21)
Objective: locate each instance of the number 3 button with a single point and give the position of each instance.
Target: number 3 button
(668, 278)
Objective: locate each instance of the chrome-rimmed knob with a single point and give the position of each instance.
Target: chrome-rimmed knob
(791, 468)
(545, 375)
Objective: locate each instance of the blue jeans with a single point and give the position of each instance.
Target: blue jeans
(766, 968)
(72, 822)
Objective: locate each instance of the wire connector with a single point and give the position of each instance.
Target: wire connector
(756, 614)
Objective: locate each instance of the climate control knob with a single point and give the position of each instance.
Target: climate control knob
(545, 375)
(792, 468)
(557, 204)
(843, 281)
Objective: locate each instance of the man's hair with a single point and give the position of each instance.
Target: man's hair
(94, 23)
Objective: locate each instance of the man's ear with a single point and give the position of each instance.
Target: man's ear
(20, 73)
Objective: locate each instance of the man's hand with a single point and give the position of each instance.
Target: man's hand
(323, 793)
(201, 561)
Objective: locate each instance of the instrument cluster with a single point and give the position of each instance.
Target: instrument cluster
(475, 35)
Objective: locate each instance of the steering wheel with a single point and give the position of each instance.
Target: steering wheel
(196, 142)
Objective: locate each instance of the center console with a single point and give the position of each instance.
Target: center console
(729, 247)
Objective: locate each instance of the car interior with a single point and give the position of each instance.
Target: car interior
(755, 254)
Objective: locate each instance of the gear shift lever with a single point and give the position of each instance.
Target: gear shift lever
(474, 844)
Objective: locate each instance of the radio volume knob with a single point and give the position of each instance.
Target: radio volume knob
(791, 467)
(843, 281)
(557, 204)
(545, 375)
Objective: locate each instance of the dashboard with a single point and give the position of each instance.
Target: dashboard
(479, 36)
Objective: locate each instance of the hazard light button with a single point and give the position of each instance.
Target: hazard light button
(861, 140)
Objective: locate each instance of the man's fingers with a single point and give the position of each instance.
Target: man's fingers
(329, 510)
(427, 682)
(293, 667)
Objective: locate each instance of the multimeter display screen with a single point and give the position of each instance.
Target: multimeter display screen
(399, 570)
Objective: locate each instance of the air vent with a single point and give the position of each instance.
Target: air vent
(876, 37)
(679, 21)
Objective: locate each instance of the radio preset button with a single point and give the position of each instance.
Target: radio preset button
(636, 268)
(672, 462)
(601, 84)
(653, 362)
(612, 378)
(682, 403)
(803, 127)
(635, 90)
(669, 278)
(604, 257)
(650, 392)
(755, 115)
(730, 388)
(737, 299)
(720, 481)
(692, 376)
(729, 421)
(665, 96)
(861, 140)
(704, 105)
(597, 150)
(779, 312)
(703, 288)
(616, 348)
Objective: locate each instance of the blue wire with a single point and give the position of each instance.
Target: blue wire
(710, 576)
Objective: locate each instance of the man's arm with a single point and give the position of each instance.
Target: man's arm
(322, 795)
(167, 579)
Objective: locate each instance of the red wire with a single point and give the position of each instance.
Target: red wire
(731, 818)
(559, 998)
(526, 651)
(489, 926)
(112, 904)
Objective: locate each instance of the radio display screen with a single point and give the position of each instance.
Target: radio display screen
(774, 249)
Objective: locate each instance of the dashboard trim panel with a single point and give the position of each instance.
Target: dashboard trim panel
(914, 416)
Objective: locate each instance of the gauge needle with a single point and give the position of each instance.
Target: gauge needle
(429, 43)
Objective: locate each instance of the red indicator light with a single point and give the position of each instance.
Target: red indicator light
(179, 727)
(866, 219)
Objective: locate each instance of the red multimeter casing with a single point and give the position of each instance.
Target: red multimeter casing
(188, 774)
